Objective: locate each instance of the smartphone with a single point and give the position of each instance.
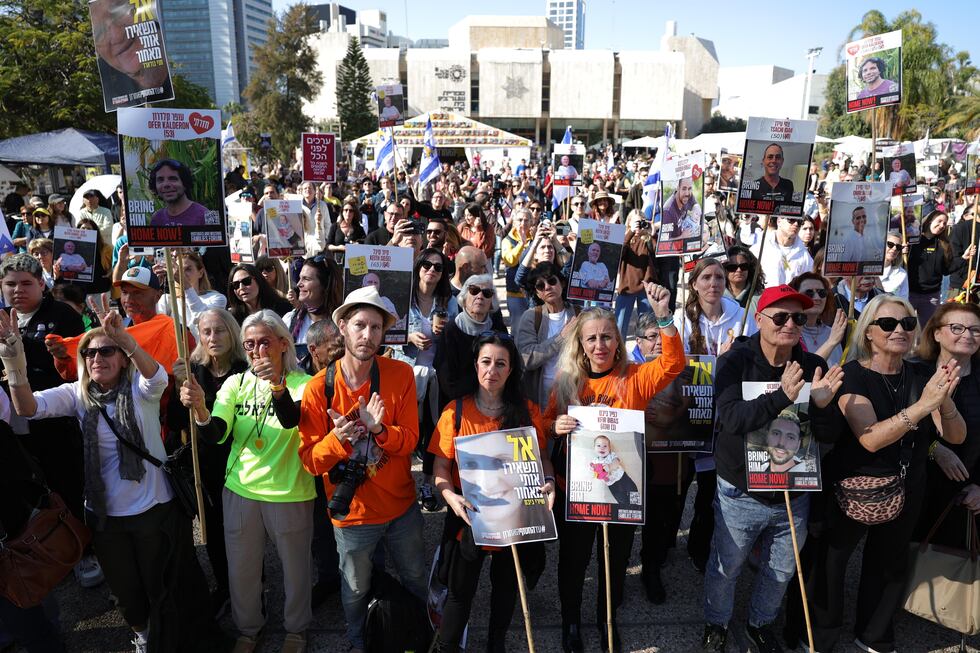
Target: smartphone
(562, 228)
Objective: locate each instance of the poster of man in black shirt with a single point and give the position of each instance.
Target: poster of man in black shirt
(774, 166)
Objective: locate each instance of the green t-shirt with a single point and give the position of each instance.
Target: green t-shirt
(264, 463)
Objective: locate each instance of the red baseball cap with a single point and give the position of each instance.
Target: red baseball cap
(778, 293)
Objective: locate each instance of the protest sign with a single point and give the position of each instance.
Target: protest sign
(240, 220)
(389, 269)
(501, 476)
(775, 166)
(783, 455)
(282, 222)
(75, 252)
(681, 417)
(973, 169)
(598, 249)
(898, 162)
(319, 157)
(874, 71)
(731, 164)
(6, 242)
(171, 169)
(857, 229)
(909, 209)
(391, 105)
(606, 466)
(681, 217)
(568, 162)
(131, 53)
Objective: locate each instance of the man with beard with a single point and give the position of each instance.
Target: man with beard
(682, 211)
(362, 409)
(173, 183)
(782, 442)
(771, 185)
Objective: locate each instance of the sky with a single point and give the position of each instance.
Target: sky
(737, 33)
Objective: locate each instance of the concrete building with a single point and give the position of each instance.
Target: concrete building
(370, 26)
(251, 31)
(570, 16)
(515, 74)
(768, 91)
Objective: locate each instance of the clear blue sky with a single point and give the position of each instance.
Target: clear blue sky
(743, 32)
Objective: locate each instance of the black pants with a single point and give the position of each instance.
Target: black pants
(30, 628)
(464, 576)
(664, 510)
(884, 572)
(703, 523)
(324, 546)
(575, 544)
(215, 518)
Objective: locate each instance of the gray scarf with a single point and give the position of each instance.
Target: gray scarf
(130, 464)
(471, 327)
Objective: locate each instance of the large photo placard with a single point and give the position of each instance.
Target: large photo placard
(131, 53)
(775, 166)
(681, 417)
(857, 229)
(682, 215)
(171, 168)
(973, 169)
(75, 253)
(389, 269)
(898, 163)
(282, 221)
(783, 455)
(598, 248)
(391, 105)
(874, 71)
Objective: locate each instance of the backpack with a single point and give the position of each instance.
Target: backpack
(397, 620)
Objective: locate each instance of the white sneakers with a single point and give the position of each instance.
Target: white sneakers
(88, 572)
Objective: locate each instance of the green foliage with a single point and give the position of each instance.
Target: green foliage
(835, 122)
(200, 155)
(187, 94)
(286, 76)
(354, 88)
(719, 123)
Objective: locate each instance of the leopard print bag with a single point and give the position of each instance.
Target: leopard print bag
(871, 500)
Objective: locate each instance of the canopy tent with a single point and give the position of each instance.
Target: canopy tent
(649, 142)
(451, 132)
(714, 143)
(63, 147)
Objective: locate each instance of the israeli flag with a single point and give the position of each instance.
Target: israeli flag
(384, 156)
(429, 168)
(6, 242)
(651, 185)
(228, 135)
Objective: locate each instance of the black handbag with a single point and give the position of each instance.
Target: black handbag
(178, 468)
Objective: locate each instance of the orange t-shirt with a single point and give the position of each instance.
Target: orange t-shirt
(473, 422)
(389, 489)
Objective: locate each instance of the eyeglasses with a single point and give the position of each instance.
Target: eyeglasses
(503, 335)
(779, 319)
(891, 245)
(251, 345)
(429, 265)
(816, 292)
(889, 324)
(543, 283)
(960, 329)
(476, 290)
(246, 282)
(104, 352)
(737, 267)
(650, 338)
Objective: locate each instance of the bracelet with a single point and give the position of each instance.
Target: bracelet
(932, 449)
(908, 422)
(664, 322)
(276, 388)
(204, 423)
(552, 479)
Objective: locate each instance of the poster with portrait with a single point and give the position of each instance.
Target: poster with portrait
(75, 252)
(973, 169)
(240, 224)
(501, 476)
(775, 166)
(391, 105)
(783, 455)
(606, 466)
(907, 209)
(857, 229)
(681, 417)
(319, 157)
(389, 269)
(283, 225)
(130, 52)
(730, 167)
(171, 169)
(598, 249)
(568, 163)
(898, 163)
(682, 213)
(874, 71)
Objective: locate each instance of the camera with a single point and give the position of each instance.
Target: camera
(347, 476)
(562, 228)
(418, 227)
(643, 225)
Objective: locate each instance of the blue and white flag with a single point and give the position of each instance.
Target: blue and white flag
(384, 153)
(560, 193)
(429, 167)
(610, 161)
(6, 242)
(651, 185)
(228, 135)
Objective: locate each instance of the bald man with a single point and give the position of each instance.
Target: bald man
(469, 261)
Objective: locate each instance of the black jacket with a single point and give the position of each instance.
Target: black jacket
(927, 266)
(51, 317)
(735, 418)
(960, 240)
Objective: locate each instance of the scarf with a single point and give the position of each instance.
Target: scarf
(471, 327)
(130, 464)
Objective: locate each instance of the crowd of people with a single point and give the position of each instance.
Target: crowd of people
(310, 425)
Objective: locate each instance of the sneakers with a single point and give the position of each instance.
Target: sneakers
(763, 638)
(427, 497)
(88, 572)
(294, 643)
(864, 647)
(140, 645)
(245, 644)
(714, 639)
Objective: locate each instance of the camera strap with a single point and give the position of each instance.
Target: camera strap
(328, 381)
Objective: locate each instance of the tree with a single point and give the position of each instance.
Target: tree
(286, 76)
(835, 122)
(354, 88)
(719, 123)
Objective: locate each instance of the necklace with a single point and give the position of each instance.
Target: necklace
(260, 425)
(893, 388)
(487, 410)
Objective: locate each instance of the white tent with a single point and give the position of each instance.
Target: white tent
(648, 142)
(855, 146)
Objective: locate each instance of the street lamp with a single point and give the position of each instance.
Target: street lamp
(811, 55)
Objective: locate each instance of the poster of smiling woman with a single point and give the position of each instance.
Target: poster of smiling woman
(874, 71)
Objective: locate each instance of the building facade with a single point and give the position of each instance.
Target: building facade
(569, 15)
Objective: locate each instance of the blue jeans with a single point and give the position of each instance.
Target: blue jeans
(624, 309)
(740, 520)
(356, 546)
(516, 307)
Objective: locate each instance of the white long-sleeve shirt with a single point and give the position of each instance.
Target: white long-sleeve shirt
(782, 263)
(196, 304)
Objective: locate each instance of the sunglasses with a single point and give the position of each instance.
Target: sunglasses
(251, 345)
(818, 292)
(429, 265)
(476, 290)
(889, 324)
(433, 232)
(534, 208)
(779, 319)
(891, 245)
(104, 352)
(578, 203)
(541, 284)
(794, 221)
(737, 267)
(246, 282)
(959, 329)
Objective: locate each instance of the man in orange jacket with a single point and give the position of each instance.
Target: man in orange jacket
(360, 413)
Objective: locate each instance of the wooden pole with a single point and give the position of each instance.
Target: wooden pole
(609, 608)
(680, 472)
(523, 593)
(970, 270)
(755, 276)
(850, 304)
(799, 571)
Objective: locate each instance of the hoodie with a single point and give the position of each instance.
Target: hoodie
(716, 333)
